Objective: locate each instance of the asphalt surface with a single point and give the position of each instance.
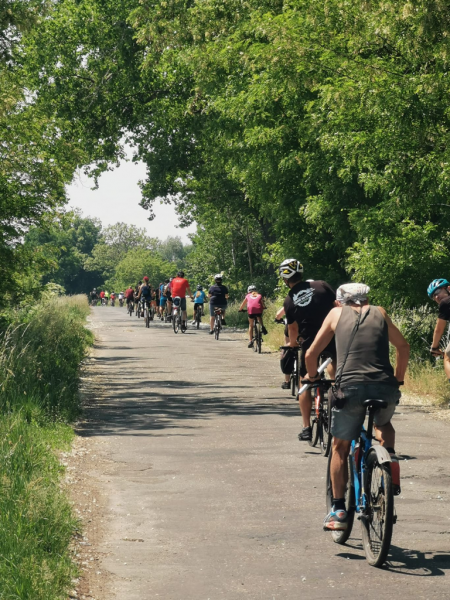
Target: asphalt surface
(211, 496)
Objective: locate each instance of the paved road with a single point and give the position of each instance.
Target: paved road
(211, 496)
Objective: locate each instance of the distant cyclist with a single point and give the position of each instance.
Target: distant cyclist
(306, 307)
(362, 333)
(129, 295)
(94, 297)
(168, 292)
(218, 298)
(199, 301)
(121, 298)
(180, 287)
(438, 291)
(106, 297)
(255, 308)
(145, 292)
(162, 296)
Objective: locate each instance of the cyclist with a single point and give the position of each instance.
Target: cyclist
(168, 291)
(121, 298)
(286, 385)
(106, 297)
(94, 297)
(136, 294)
(199, 301)
(255, 308)
(129, 295)
(179, 287)
(113, 298)
(363, 333)
(102, 296)
(145, 293)
(218, 298)
(162, 297)
(306, 307)
(438, 291)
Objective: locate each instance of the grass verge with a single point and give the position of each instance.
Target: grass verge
(40, 354)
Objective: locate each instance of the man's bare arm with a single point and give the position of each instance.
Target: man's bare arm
(401, 345)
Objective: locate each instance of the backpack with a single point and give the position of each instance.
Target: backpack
(287, 362)
(145, 291)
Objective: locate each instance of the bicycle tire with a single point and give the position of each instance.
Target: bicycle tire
(180, 325)
(255, 337)
(325, 445)
(340, 537)
(216, 329)
(175, 323)
(147, 318)
(259, 340)
(199, 320)
(377, 532)
(314, 432)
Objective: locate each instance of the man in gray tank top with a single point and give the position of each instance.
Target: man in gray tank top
(365, 372)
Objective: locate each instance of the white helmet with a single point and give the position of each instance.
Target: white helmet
(290, 267)
(218, 277)
(251, 288)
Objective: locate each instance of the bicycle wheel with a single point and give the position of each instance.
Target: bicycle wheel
(325, 443)
(315, 432)
(294, 379)
(180, 325)
(217, 328)
(147, 317)
(175, 323)
(259, 339)
(340, 537)
(198, 318)
(255, 337)
(378, 520)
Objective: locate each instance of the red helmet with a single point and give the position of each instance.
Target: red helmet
(145, 278)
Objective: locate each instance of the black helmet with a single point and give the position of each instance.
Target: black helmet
(180, 274)
(199, 288)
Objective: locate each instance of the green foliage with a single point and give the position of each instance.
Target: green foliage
(67, 242)
(40, 354)
(115, 242)
(138, 263)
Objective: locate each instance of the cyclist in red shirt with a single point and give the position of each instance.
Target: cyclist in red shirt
(129, 294)
(179, 286)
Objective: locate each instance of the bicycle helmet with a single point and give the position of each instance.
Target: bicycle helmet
(290, 267)
(199, 288)
(251, 288)
(436, 285)
(95, 289)
(218, 277)
(180, 274)
(146, 278)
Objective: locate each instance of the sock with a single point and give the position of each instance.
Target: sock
(338, 504)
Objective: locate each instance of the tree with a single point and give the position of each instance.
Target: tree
(138, 263)
(114, 244)
(69, 239)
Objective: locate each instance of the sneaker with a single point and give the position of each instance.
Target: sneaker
(286, 385)
(264, 330)
(336, 520)
(193, 322)
(395, 472)
(211, 332)
(305, 435)
(250, 345)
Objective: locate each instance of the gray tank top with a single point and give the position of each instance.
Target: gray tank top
(368, 359)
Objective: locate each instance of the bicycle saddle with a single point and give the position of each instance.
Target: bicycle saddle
(377, 404)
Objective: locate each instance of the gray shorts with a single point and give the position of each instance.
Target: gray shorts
(346, 422)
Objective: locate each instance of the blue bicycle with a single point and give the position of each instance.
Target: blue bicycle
(369, 492)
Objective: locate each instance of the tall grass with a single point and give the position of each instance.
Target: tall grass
(40, 355)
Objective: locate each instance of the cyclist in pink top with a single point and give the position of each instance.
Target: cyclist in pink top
(255, 307)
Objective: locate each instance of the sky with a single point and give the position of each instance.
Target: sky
(117, 199)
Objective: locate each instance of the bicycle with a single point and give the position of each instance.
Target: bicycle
(177, 322)
(257, 334)
(145, 312)
(321, 418)
(218, 312)
(130, 308)
(369, 492)
(198, 314)
(295, 372)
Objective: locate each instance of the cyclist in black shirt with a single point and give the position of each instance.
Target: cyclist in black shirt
(438, 291)
(306, 306)
(218, 298)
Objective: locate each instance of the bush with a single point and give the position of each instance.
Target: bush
(40, 355)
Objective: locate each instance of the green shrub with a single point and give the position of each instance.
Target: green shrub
(40, 355)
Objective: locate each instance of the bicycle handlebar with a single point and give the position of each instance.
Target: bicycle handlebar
(320, 370)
